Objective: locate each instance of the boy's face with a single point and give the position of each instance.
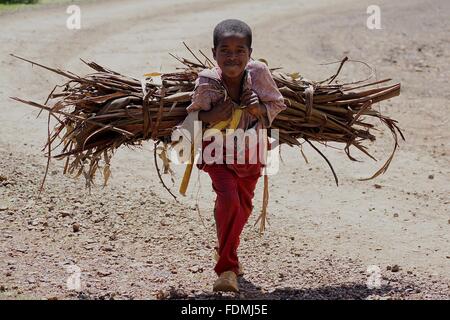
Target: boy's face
(232, 55)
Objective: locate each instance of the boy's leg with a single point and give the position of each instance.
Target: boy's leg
(226, 213)
(232, 210)
(246, 190)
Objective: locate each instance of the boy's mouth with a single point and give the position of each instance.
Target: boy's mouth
(232, 64)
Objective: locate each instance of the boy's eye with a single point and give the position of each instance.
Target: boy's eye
(228, 52)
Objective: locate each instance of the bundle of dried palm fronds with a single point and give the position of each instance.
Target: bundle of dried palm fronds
(102, 111)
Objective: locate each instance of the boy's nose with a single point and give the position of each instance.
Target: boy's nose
(232, 55)
(233, 59)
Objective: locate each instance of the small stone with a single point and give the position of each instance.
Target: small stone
(377, 186)
(161, 295)
(2, 288)
(395, 215)
(3, 206)
(196, 269)
(395, 268)
(76, 227)
(164, 223)
(103, 273)
(98, 220)
(431, 177)
(65, 214)
(21, 249)
(108, 249)
(31, 280)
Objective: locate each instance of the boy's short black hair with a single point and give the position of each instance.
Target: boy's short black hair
(233, 26)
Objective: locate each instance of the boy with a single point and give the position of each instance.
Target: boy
(247, 84)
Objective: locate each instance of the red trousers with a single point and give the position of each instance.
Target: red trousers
(232, 208)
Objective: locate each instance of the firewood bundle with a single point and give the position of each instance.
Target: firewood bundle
(104, 110)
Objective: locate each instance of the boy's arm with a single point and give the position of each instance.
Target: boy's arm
(265, 112)
(267, 101)
(273, 108)
(253, 106)
(205, 92)
(220, 111)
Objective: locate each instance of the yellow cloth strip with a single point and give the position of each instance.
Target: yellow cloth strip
(231, 123)
(187, 173)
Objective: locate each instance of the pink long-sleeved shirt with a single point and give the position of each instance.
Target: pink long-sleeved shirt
(209, 90)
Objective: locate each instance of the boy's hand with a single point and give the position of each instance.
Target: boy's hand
(250, 99)
(222, 110)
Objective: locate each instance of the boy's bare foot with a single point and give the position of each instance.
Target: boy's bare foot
(226, 282)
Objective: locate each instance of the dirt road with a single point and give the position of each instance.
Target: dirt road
(323, 241)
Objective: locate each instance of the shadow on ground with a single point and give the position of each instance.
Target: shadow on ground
(248, 290)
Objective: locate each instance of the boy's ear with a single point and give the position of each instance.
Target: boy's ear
(213, 50)
(250, 52)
